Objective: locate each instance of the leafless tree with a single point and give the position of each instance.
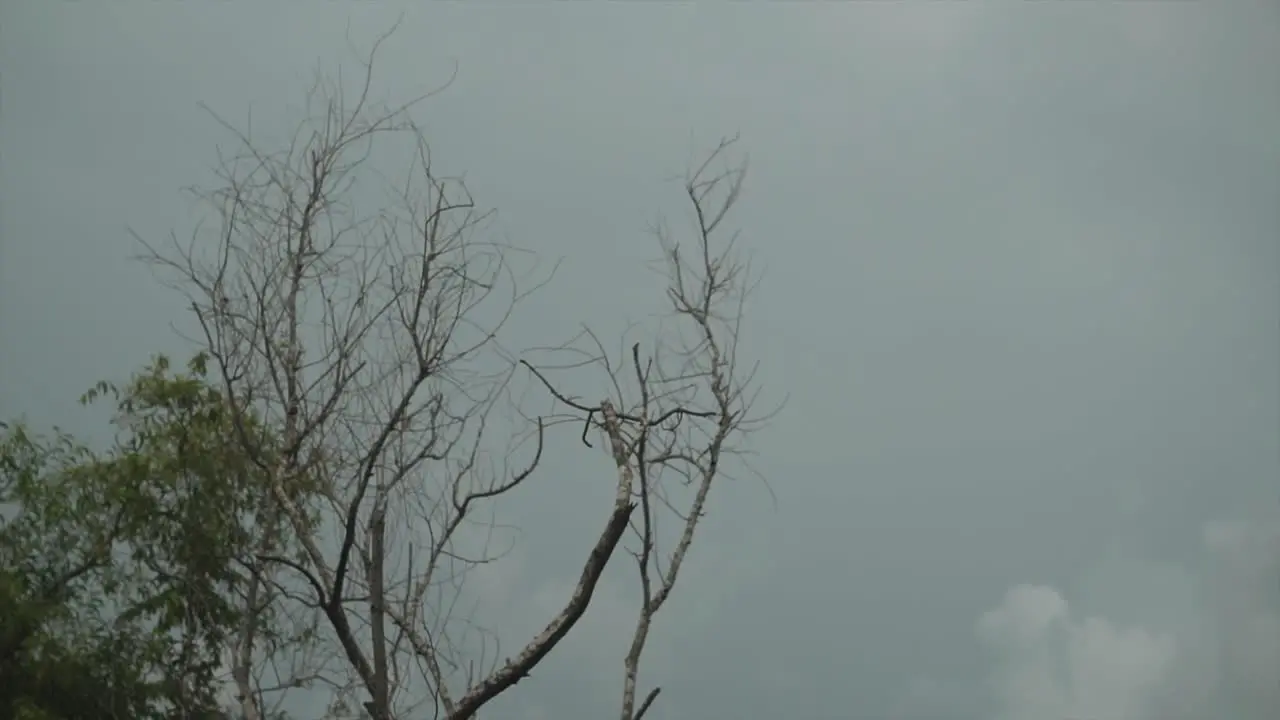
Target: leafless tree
(369, 343)
(678, 412)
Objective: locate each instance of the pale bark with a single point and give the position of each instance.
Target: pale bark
(355, 339)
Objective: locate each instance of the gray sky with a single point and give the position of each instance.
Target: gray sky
(1022, 286)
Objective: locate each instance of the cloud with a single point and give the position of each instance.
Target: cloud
(1222, 659)
(1056, 666)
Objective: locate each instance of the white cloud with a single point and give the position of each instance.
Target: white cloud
(1028, 612)
(1053, 664)
(1056, 666)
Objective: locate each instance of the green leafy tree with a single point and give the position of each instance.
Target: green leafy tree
(59, 657)
(126, 575)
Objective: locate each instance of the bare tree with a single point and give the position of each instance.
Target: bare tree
(678, 412)
(369, 342)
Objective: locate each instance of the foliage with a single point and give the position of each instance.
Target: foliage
(122, 570)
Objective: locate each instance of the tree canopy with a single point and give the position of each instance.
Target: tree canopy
(120, 569)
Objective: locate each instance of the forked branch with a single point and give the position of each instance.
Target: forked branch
(690, 400)
(354, 352)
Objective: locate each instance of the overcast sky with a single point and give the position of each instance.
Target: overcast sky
(1022, 285)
